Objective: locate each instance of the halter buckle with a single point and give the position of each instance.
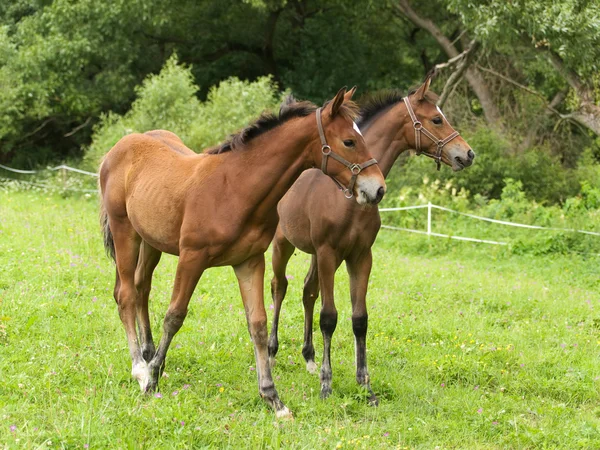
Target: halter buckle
(417, 125)
(355, 169)
(326, 149)
(348, 193)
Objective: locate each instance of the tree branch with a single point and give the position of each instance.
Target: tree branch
(454, 79)
(79, 127)
(549, 106)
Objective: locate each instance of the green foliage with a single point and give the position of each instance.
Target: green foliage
(168, 101)
(494, 349)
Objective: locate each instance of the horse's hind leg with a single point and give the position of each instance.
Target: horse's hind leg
(282, 252)
(310, 294)
(250, 275)
(127, 243)
(359, 270)
(147, 261)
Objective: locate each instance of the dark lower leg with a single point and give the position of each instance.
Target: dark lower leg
(328, 325)
(309, 297)
(359, 269)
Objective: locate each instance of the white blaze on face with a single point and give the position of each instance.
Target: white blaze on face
(440, 111)
(356, 128)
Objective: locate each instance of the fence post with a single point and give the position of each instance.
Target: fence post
(63, 173)
(428, 219)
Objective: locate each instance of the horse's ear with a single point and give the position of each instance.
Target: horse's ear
(337, 102)
(420, 94)
(348, 95)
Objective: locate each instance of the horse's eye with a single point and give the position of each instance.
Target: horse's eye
(349, 143)
(437, 120)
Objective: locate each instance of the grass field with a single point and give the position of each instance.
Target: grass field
(469, 346)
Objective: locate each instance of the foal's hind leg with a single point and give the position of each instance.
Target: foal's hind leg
(127, 243)
(250, 275)
(282, 252)
(327, 266)
(309, 297)
(147, 261)
(359, 270)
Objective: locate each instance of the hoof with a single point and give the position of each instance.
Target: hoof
(272, 361)
(373, 401)
(325, 392)
(284, 413)
(311, 366)
(141, 373)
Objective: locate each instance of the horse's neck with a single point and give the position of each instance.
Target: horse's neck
(382, 137)
(272, 165)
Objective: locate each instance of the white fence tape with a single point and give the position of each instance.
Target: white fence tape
(62, 166)
(431, 206)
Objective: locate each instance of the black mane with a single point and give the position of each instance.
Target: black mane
(289, 109)
(372, 105)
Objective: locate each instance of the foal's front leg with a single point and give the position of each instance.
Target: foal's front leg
(250, 275)
(359, 269)
(327, 266)
(189, 269)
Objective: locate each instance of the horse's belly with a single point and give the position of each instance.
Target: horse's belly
(157, 219)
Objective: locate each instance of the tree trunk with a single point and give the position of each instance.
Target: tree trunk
(473, 76)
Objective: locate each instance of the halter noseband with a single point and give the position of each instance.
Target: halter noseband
(419, 128)
(327, 152)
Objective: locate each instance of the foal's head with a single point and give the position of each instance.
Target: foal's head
(362, 177)
(453, 151)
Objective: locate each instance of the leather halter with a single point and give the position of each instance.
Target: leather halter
(327, 153)
(419, 128)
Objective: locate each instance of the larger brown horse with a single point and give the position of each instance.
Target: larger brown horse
(217, 209)
(315, 221)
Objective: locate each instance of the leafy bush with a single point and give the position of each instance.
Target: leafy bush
(168, 101)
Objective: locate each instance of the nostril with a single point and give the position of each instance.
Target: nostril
(380, 193)
(471, 154)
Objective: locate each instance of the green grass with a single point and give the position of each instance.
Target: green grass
(470, 346)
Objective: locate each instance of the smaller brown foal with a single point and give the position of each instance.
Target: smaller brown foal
(216, 209)
(333, 230)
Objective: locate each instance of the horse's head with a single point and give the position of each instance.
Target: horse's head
(342, 153)
(428, 131)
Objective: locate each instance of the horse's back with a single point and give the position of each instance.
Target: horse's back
(171, 140)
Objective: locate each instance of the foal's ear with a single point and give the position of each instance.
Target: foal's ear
(348, 95)
(420, 94)
(337, 101)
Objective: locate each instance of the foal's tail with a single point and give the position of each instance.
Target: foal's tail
(109, 243)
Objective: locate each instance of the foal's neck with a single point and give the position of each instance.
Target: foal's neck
(274, 161)
(383, 137)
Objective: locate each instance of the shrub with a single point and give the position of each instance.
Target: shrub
(168, 101)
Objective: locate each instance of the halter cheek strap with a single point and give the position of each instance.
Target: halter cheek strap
(328, 153)
(419, 128)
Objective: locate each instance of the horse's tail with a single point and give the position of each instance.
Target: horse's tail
(109, 243)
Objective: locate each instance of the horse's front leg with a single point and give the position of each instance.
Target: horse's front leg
(359, 269)
(250, 275)
(189, 269)
(327, 265)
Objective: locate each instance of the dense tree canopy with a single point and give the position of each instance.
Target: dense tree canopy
(531, 74)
